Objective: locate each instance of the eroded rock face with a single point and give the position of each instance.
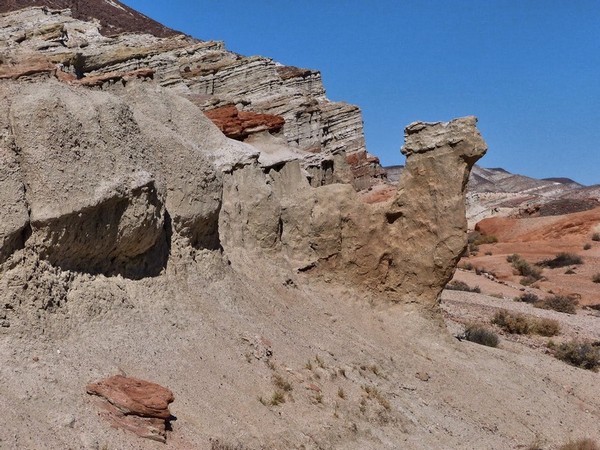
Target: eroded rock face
(238, 125)
(54, 44)
(135, 405)
(115, 170)
(407, 247)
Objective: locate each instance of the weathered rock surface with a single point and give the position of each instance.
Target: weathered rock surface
(114, 17)
(38, 42)
(135, 405)
(407, 247)
(239, 125)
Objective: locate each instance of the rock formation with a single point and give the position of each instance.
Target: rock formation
(117, 187)
(91, 188)
(330, 231)
(135, 405)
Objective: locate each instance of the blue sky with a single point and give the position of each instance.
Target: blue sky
(529, 69)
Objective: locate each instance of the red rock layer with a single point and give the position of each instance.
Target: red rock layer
(238, 125)
(135, 405)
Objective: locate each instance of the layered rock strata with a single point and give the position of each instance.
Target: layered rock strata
(41, 42)
(117, 174)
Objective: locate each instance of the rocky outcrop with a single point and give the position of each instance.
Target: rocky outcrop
(114, 17)
(238, 125)
(407, 247)
(55, 44)
(135, 405)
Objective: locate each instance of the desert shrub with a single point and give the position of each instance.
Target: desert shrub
(558, 303)
(581, 444)
(512, 323)
(596, 278)
(578, 354)
(561, 260)
(528, 297)
(282, 383)
(461, 286)
(587, 246)
(515, 323)
(485, 239)
(596, 237)
(481, 335)
(216, 444)
(528, 280)
(546, 327)
(466, 266)
(524, 268)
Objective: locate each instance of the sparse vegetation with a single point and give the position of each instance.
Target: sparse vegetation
(558, 303)
(320, 362)
(596, 278)
(462, 286)
(579, 354)
(581, 444)
(529, 273)
(515, 323)
(476, 238)
(512, 323)
(277, 398)
(466, 266)
(561, 260)
(528, 297)
(216, 444)
(373, 392)
(546, 327)
(282, 383)
(481, 335)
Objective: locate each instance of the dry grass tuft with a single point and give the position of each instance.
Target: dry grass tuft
(559, 303)
(579, 354)
(481, 335)
(581, 444)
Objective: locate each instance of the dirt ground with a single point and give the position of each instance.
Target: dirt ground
(363, 374)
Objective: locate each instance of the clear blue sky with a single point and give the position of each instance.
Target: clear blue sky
(529, 69)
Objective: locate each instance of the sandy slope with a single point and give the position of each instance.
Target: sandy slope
(205, 333)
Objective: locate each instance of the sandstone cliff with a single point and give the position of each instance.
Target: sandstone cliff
(134, 227)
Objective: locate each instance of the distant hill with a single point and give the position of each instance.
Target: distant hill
(497, 192)
(114, 16)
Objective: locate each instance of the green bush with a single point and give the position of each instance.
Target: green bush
(561, 260)
(531, 273)
(481, 335)
(558, 303)
(579, 354)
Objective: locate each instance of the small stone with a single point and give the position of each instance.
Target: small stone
(4, 323)
(423, 376)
